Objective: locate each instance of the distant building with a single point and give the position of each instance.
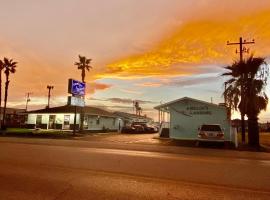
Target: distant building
(62, 117)
(129, 118)
(186, 115)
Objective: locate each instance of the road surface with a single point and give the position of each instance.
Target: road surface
(55, 170)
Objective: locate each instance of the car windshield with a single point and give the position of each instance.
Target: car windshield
(210, 128)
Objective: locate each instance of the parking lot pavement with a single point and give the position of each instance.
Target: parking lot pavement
(126, 138)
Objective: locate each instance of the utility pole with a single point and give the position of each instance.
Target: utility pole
(27, 100)
(242, 50)
(49, 87)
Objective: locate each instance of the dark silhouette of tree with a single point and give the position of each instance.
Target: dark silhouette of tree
(83, 65)
(1, 69)
(9, 68)
(251, 76)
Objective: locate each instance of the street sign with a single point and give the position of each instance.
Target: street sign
(76, 101)
(76, 88)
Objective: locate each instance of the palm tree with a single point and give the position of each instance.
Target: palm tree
(1, 69)
(9, 67)
(83, 64)
(256, 99)
(234, 91)
(249, 77)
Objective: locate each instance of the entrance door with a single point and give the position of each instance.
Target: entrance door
(66, 121)
(52, 121)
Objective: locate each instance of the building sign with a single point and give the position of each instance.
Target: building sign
(76, 88)
(199, 110)
(76, 101)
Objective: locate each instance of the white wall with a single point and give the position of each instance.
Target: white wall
(111, 123)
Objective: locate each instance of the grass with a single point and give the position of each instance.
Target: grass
(264, 138)
(40, 133)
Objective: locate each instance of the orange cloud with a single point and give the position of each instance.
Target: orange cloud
(92, 87)
(195, 43)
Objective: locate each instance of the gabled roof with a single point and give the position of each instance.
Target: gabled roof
(90, 110)
(183, 99)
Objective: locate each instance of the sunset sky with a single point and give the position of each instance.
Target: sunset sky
(154, 51)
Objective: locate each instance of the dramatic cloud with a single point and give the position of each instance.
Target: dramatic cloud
(123, 100)
(195, 43)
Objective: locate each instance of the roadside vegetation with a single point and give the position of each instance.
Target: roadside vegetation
(37, 133)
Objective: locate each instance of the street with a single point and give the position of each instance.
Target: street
(59, 169)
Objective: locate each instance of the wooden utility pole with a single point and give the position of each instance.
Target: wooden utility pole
(242, 50)
(27, 100)
(49, 87)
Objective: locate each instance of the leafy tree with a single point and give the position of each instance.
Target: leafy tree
(9, 68)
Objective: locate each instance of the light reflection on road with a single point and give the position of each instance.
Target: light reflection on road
(175, 156)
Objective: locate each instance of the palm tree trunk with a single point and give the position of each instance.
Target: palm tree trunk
(253, 132)
(243, 128)
(5, 103)
(0, 98)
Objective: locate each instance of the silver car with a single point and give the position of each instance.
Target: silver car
(211, 132)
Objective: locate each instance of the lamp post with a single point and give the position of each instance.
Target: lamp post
(49, 87)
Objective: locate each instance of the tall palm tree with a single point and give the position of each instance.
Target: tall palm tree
(83, 64)
(234, 91)
(9, 68)
(1, 69)
(256, 100)
(249, 77)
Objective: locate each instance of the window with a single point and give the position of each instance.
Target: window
(66, 120)
(39, 119)
(98, 120)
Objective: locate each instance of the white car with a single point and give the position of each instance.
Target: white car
(211, 132)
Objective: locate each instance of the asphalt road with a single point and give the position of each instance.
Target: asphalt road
(60, 171)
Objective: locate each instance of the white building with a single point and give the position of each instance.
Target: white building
(62, 117)
(186, 115)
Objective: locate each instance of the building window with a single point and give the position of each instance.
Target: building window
(66, 120)
(39, 119)
(98, 120)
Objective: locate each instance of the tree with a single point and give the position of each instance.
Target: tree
(234, 91)
(9, 68)
(256, 100)
(250, 77)
(1, 69)
(83, 64)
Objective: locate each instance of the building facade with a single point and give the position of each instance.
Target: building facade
(186, 115)
(62, 117)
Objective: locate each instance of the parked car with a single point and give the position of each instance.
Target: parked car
(140, 127)
(211, 132)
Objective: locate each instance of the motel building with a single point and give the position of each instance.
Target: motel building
(184, 116)
(62, 117)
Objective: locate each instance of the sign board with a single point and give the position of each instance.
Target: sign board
(76, 101)
(76, 88)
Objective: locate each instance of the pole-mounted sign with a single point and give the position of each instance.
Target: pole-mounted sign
(76, 88)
